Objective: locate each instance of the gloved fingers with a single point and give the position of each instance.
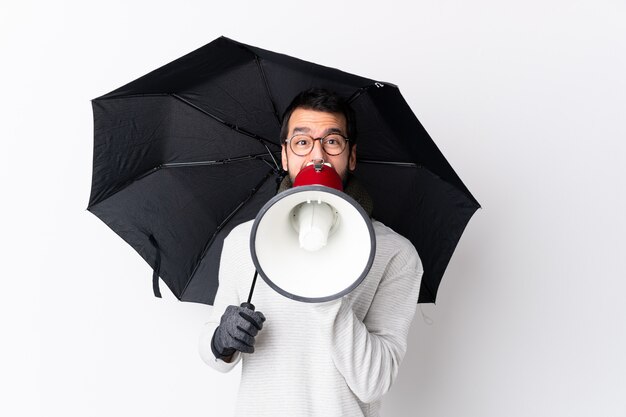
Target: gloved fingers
(256, 318)
(242, 341)
(250, 327)
(245, 326)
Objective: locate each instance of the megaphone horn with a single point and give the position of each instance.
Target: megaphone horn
(313, 242)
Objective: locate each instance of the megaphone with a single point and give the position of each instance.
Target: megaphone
(313, 243)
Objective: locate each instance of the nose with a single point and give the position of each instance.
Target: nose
(317, 152)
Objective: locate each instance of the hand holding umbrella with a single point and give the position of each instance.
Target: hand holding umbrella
(238, 328)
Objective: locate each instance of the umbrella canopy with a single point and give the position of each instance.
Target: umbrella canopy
(187, 152)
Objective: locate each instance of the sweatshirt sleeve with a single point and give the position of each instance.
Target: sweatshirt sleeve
(227, 294)
(368, 353)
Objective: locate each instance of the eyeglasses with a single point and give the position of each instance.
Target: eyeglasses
(333, 144)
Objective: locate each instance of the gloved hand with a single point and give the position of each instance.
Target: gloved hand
(238, 327)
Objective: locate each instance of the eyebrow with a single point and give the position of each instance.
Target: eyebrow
(308, 130)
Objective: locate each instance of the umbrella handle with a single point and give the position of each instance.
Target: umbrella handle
(248, 304)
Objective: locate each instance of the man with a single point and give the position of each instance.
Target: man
(335, 358)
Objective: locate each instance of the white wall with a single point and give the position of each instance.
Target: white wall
(527, 101)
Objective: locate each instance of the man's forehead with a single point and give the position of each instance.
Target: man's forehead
(306, 120)
(306, 129)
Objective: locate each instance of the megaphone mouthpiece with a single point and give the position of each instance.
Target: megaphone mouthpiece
(318, 174)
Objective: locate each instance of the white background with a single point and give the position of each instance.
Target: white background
(527, 100)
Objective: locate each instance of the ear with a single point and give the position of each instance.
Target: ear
(283, 155)
(352, 158)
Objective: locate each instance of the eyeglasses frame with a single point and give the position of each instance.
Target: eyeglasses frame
(321, 139)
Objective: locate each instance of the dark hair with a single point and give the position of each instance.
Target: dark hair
(321, 100)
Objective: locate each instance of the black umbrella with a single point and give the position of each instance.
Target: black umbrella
(187, 152)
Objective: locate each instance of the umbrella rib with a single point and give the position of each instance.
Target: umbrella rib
(216, 162)
(362, 90)
(267, 88)
(225, 222)
(276, 167)
(258, 157)
(270, 165)
(393, 163)
(224, 122)
(358, 92)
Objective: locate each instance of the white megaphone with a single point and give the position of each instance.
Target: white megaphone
(313, 242)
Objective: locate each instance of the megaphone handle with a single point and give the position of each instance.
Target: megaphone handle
(248, 304)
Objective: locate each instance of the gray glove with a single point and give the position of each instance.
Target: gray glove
(237, 329)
